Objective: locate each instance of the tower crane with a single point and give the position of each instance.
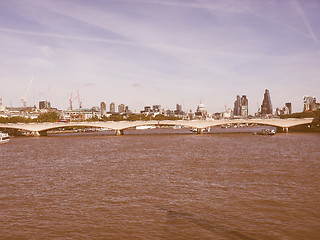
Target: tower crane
(24, 97)
(79, 101)
(72, 99)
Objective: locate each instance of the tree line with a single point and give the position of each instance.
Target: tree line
(43, 117)
(314, 114)
(54, 117)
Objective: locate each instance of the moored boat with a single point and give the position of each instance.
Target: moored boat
(4, 137)
(265, 132)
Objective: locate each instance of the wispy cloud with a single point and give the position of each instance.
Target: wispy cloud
(67, 37)
(240, 7)
(166, 3)
(225, 6)
(306, 22)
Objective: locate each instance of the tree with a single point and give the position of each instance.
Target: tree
(48, 117)
(93, 119)
(115, 118)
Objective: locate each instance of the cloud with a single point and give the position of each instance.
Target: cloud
(166, 3)
(67, 37)
(306, 22)
(195, 48)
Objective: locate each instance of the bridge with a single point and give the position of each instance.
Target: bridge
(40, 129)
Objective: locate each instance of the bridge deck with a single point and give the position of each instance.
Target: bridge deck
(121, 125)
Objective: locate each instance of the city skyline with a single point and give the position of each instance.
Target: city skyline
(160, 52)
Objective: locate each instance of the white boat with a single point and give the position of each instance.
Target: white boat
(265, 132)
(202, 130)
(4, 137)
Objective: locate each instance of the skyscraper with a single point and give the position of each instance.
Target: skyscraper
(121, 108)
(244, 106)
(241, 106)
(103, 108)
(266, 107)
(112, 107)
(237, 107)
(288, 107)
(178, 110)
(179, 107)
(44, 105)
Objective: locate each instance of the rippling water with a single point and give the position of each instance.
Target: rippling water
(169, 186)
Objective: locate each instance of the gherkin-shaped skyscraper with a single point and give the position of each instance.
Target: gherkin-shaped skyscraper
(266, 107)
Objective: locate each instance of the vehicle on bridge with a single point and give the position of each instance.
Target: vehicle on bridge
(63, 120)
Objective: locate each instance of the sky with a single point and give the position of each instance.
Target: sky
(167, 52)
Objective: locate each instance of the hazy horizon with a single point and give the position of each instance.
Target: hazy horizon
(140, 52)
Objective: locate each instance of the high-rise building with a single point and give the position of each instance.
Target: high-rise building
(44, 105)
(241, 106)
(112, 107)
(310, 103)
(178, 110)
(127, 110)
(237, 107)
(244, 106)
(156, 108)
(288, 108)
(121, 108)
(266, 106)
(103, 108)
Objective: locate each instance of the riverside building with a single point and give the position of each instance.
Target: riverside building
(81, 114)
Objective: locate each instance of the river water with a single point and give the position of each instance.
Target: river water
(162, 186)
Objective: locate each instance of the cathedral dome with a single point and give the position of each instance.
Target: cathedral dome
(201, 107)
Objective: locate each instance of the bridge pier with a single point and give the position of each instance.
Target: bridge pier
(199, 130)
(283, 129)
(119, 132)
(36, 134)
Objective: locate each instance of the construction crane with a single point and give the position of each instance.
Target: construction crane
(72, 99)
(24, 97)
(79, 101)
(47, 100)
